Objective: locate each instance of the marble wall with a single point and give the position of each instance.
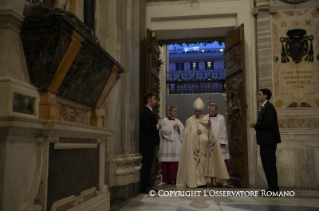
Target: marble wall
(25, 140)
(297, 158)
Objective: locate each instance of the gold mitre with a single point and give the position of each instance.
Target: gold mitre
(198, 104)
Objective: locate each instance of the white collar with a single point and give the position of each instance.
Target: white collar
(264, 103)
(149, 108)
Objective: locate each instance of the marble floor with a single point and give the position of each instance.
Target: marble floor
(203, 199)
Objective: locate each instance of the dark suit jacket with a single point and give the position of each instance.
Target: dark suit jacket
(149, 135)
(267, 130)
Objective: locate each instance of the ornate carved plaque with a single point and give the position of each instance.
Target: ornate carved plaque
(72, 114)
(295, 36)
(296, 46)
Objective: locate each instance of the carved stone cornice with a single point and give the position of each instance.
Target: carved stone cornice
(23, 126)
(10, 19)
(293, 1)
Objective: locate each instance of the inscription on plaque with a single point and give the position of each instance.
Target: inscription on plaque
(297, 80)
(295, 36)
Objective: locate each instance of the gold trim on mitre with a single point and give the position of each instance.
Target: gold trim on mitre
(198, 104)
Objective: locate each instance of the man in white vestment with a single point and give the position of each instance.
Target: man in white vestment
(170, 145)
(200, 158)
(219, 126)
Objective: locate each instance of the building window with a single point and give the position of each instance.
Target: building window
(209, 65)
(179, 66)
(194, 66)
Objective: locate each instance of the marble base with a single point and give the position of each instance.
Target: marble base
(123, 193)
(24, 161)
(297, 160)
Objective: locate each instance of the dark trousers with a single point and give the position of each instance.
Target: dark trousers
(268, 159)
(148, 154)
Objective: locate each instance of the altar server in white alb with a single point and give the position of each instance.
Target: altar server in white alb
(201, 159)
(219, 126)
(170, 145)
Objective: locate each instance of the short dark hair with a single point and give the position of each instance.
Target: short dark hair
(171, 108)
(266, 92)
(211, 105)
(148, 96)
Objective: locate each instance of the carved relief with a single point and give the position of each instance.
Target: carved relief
(236, 167)
(299, 105)
(298, 123)
(72, 114)
(233, 38)
(234, 113)
(296, 46)
(294, 41)
(233, 57)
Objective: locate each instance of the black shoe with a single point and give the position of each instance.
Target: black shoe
(270, 192)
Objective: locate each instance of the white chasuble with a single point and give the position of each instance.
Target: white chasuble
(170, 140)
(200, 156)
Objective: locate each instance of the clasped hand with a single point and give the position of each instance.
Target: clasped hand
(252, 125)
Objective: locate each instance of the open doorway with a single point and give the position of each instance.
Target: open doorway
(195, 70)
(193, 77)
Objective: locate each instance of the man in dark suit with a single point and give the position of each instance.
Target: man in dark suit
(149, 138)
(267, 133)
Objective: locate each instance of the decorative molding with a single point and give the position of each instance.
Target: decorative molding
(75, 143)
(293, 1)
(22, 126)
(29, 198)
(90, 199)
(73, 114)
(10, 19)
(296, 46)
(270, 9)
(298, 122)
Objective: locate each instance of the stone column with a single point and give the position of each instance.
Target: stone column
(117, 29)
